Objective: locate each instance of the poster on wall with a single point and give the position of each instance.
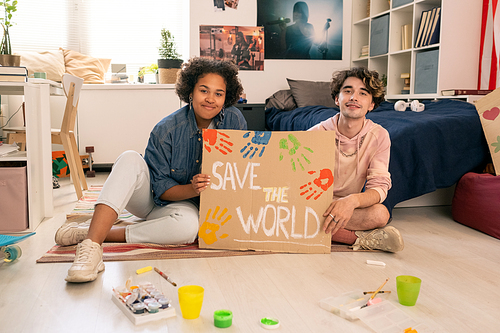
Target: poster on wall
(244, 45)
(309, 29)
(268, 190)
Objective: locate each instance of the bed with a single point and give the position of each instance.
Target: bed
(431, 149)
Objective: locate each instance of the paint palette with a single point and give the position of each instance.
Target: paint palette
(143, 303)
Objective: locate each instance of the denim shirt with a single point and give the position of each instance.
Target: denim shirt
(175, 148)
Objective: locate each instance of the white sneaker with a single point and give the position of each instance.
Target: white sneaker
(88, 262)
(386, 239)
(72, 233)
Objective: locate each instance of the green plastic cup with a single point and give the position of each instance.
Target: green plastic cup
(408, 288)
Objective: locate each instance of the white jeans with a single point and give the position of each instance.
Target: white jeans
(128, 187)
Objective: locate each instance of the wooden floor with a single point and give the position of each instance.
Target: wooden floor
(459, 268)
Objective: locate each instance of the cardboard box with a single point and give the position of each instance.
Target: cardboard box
(13, 199)
(268, 190)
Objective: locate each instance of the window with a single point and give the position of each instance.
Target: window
(126, 31)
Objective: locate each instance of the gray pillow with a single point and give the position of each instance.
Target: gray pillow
(282, 99)
(308, 93)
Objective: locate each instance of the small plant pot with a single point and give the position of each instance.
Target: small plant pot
(168, 69)
(10, 60)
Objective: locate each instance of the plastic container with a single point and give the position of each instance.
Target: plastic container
(342, 305)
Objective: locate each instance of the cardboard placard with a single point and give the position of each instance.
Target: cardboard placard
(488, 108)
(268, 190)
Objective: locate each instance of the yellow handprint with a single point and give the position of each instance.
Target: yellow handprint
(207, 230)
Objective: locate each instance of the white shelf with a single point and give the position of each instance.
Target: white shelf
(458, 61)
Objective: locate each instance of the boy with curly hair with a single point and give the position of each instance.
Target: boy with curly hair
(356, 215)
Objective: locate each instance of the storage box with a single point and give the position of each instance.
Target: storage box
(13, 199)
(379, 40)
(426, 72)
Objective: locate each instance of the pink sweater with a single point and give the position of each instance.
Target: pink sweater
(370, 164)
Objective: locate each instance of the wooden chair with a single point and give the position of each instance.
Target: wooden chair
(72, 86)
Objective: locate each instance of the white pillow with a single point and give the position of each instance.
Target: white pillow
(50, 62)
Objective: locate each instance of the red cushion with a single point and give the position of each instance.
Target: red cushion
(476, 202)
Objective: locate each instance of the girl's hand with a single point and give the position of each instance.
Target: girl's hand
(200, 182)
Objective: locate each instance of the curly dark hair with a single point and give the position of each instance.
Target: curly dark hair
(198, 67)
(370, 78)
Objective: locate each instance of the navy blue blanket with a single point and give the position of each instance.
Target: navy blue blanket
(429, 150)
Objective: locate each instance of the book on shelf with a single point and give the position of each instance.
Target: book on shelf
(405, 75)
(455, 92)
(13, 74)
(13, 78)
(427, 28)
(423, 17)
(406, 36)
(364, 51)
(436, 28)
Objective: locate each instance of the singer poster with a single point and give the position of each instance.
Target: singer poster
(268, 190)
(309, 29)
(243, 45)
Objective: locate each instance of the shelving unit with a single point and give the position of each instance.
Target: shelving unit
(458, 49)
(37, 158)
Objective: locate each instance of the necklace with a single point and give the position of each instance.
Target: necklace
(355, 152)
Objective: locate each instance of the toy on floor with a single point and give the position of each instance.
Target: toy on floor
(90, 150)
(8, 251)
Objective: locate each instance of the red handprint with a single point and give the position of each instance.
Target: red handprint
(323, 182)
(217, 140)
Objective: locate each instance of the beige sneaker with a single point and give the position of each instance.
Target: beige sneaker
(72, 233)
(88, 262)
(386, 239)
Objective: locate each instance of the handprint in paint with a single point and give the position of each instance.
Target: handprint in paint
(496, 145)
(208, 229)
(321, 184)
(292, 150)
(217, 140)
(259, 138)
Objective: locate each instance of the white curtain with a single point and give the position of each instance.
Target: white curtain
(126, 31)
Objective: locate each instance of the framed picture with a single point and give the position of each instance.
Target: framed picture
(244, 45)
(301, 29)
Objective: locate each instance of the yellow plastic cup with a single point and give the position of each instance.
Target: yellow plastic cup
(408, 288)
(190, 301)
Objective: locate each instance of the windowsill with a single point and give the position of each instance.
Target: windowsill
(127, 86)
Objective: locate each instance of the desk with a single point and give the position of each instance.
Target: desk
(38, 154)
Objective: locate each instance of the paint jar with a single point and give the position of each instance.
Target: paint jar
(138, 307)
(164, 302)
(153, 307)
(148, 301)
(156, 294)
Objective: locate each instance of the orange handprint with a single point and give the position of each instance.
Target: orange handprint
(217, 140)
(207, 230)
(323, 182)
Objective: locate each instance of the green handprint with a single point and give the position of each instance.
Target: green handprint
(497, 144)
(283, 143)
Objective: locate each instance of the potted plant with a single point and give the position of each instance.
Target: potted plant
(6, 56)
(148, 74)
(170, 60)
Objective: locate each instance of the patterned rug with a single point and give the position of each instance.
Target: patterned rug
(145, 251)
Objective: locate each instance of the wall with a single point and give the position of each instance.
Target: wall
(261, 84)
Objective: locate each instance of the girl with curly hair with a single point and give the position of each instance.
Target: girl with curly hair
(163, 188)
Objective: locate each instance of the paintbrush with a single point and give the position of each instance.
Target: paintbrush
(374, 294)
(165, 277)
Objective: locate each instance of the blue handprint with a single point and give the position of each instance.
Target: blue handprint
(259, 138)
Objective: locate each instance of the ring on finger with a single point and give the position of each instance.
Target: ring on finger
(333, 218)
